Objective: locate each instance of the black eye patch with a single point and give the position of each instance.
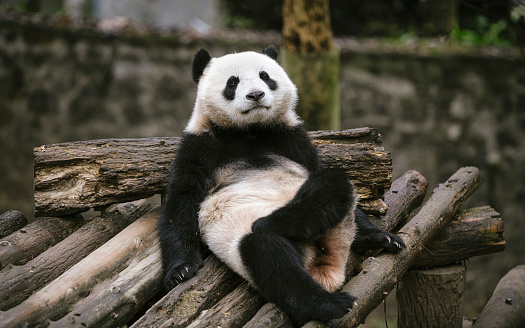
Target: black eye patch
(272, 84)
(231, 87)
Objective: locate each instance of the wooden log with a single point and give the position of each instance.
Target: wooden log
(19, 282)
(11, 221)
(27, 243)
(113, 302)
(473, 232)
(73, 177)
(380, 274)
(506, 306)
(432, 298)
(53, 301)
(185, 302)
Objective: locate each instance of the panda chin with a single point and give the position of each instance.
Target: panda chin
(254, 108)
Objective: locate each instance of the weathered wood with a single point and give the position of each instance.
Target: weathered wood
(11, 221)
(432, 298)
(506, 306)
(408, 195)
(113, 302)
(53, 301)
(73, 177)
(185, 302)
(19, 282)
(27, 243)
(380, 274)
(473, 232)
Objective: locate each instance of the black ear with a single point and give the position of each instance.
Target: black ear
(200, 61)
(271, 51)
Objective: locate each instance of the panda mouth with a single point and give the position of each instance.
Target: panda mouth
(256, 107)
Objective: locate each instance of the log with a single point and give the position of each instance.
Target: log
(380, 274)
(432, 298)
(185, 302)
(506, 306)
(19, 282)
(11, 221)
(473, 232)
(27, 243)
(73, 177)
(53, 301)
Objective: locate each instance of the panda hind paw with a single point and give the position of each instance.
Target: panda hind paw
(178, 274)
(392, 243)
(334, 306)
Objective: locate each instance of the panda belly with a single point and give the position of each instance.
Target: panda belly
(242, 195)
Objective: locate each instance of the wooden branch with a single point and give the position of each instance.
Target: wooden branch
(380, 274)
(27, 243)
(473, 232)
(432, 297)
(505, 307)
(19, 282)
(53, 300)
(73, 177)
(11, 221)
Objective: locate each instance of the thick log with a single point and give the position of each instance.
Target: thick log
(27, 243)
(53, 301)
(113, 302)
(473, 232)
(186, 301)
(432, 298)
(73, 177)
(380, 274)
(11, 221)
(19, 282)
(506, 306)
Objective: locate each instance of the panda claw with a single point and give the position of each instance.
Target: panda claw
(389, 239)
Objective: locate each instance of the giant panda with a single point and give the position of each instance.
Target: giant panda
(247, 183)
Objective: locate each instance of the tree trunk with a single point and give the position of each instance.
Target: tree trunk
(432, 298)
(73, 177)
(27, 243)
(10, 222)
(309, 57)
(20, 282)
(54, 300)
(380, 274)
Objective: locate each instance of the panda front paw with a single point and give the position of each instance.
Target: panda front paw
(179, 273)
(390, 242)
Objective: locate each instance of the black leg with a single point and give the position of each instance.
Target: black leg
(277, 271)
(370, 237)
(320, 204)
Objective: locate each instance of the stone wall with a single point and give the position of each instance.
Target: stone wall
(437, 111)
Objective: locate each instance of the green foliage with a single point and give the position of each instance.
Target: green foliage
(485, 33)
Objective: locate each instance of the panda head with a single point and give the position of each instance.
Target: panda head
(241, 89)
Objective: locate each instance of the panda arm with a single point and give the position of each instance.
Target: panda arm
(178, 225)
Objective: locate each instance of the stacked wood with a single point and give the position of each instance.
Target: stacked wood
(11, 221)
(20, 282)
(75, 176)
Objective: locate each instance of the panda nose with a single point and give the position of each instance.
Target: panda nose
(255, 95)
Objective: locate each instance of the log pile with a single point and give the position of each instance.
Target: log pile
(104, 271)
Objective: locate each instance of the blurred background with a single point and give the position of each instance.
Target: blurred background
(443, 81)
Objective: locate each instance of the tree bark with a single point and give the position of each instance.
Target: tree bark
(380, 274)
(11, 221)
(473, 232)
(53, 301)
(506, 306)
(432, 298)
(73, 177)
(19, 282)
(27, 243)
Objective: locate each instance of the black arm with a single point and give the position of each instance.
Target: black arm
(187, 187)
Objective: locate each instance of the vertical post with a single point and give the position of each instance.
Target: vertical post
(432, 297)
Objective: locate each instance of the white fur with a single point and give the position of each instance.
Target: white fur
(276, 106)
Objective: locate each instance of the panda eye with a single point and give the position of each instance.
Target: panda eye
(264, 76)
(232, 81)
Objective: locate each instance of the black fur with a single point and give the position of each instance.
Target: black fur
(370, 237)
(201, 59)
(271, 51)
(272, 84)
(230, 88)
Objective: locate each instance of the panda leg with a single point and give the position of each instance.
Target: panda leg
(370, 237)
(276, 269)
(323, 200)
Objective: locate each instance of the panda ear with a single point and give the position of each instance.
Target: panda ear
(271, 51)
(200, 61)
